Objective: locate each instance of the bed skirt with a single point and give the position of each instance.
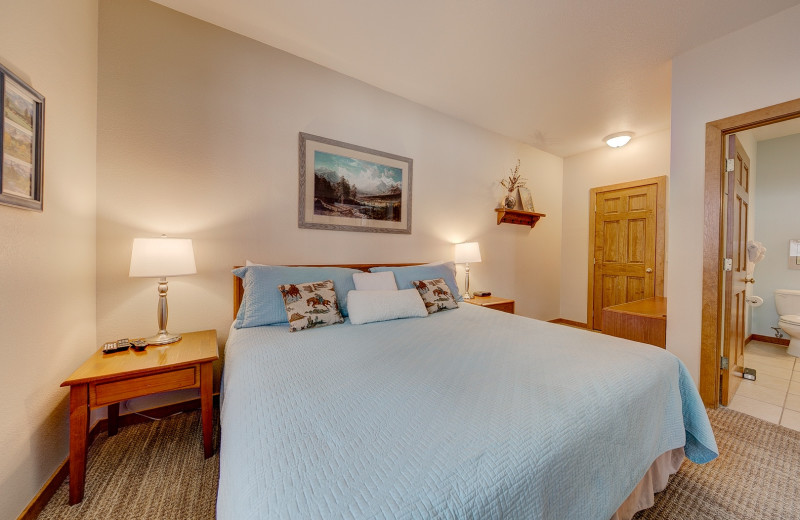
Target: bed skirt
(655, 480)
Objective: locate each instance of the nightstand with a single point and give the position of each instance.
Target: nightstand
(493, 302)
(108, 379)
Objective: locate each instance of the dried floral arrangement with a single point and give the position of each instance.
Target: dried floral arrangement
(514, 181)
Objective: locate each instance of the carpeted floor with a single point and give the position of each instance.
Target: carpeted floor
(157, 471)
(153, 470)
(756, 476)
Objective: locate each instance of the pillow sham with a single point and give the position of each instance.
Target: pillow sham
(310, 305)
(262, 303)
(405, 275)
(436, 295)
(371, 306)
(383, 281)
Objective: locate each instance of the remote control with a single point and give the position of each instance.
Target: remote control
(110, 347)
(138, 344)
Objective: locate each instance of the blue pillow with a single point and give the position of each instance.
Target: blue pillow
(405, 275)
(262, 303)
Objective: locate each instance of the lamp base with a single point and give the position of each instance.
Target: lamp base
(164, 338)
(466, 296)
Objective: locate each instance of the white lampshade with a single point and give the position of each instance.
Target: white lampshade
(467, 253)
(162, 257)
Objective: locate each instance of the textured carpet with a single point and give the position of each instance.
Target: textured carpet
(756, 476)
(157, 471)
(153, 470)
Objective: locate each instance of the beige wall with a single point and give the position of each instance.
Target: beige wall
(778, 190)
(47, 260)
(198, 131)
(642, 158)
(705, 88)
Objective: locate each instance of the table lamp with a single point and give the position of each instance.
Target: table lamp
(465, 253)
(159, 258)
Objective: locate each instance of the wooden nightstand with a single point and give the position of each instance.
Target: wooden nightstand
(493, 302)
(108, 379)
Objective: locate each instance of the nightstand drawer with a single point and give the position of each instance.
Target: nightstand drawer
(505, 307)
(493, 302)
(115, 391)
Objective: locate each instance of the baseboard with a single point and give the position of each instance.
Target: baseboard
(768, 339)
(562, 321)
(46, 493)
(62, 472)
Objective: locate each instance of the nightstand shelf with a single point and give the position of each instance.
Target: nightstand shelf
(515, 216)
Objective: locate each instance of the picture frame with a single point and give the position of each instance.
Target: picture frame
(526, 199)
(22, 152)
(346, 187)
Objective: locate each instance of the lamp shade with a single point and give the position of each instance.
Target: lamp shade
(468, 252)
(162, 257)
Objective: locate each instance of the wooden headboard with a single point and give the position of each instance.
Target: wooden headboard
(238, 287)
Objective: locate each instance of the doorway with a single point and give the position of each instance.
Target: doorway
(713, 376)
(626, 244)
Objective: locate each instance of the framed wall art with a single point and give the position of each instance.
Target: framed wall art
(346, 187)
(526, 199)
(22, 125)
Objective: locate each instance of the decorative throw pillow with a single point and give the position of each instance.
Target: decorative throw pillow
(310, 304)
(436, 295)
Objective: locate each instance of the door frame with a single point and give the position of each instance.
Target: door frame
(711, 333)
(661, 206)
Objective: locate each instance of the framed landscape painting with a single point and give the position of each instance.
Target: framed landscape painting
(346, 187)
(21, 157)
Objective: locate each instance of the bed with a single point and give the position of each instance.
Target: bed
(468, 413)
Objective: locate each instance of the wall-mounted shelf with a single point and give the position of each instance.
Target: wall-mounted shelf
(515, 216)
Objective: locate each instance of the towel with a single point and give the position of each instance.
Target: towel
(755, 251)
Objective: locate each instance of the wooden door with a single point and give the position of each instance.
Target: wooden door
(628, 245)
(737, 200)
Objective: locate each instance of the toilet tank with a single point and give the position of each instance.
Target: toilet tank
(787, 301)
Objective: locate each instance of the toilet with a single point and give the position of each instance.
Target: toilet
(787, 301)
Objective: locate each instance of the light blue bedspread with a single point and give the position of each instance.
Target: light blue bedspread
(470, 413)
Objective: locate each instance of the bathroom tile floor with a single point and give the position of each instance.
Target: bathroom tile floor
(775, 394)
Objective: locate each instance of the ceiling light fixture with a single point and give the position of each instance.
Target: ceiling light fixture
(618, 140)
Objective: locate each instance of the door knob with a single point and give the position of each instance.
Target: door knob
(749, 280)
(648, 270)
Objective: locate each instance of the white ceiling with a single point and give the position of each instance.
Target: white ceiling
(556, 74)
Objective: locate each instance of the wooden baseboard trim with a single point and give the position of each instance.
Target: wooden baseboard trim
(562, 321)
(768, 339)
(46, 493)
(50, 487)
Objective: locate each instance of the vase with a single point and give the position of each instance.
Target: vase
(510, 201)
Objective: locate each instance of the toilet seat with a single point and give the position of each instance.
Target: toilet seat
(790, 319)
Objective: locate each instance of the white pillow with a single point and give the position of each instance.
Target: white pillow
(383, 281)
(370, 306)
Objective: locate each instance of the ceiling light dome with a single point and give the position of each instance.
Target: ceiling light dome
(619, 139)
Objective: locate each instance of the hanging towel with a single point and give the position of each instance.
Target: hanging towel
(755, 251)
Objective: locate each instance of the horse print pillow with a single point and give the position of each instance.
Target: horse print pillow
(436, 295)
(311, 304)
